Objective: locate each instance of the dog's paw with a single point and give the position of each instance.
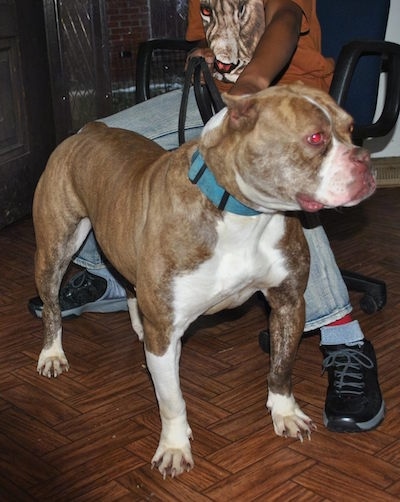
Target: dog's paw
(52, 365)
(287, 417)
(172, 461)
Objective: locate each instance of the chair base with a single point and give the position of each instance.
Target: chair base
(374, 290)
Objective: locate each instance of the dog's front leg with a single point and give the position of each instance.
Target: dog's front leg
(173, 455)
(286, 327)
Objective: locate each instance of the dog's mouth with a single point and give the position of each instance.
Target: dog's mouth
(308, 204)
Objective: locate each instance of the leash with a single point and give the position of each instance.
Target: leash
(207, 95)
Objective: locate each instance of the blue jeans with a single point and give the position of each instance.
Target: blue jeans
(326, 295)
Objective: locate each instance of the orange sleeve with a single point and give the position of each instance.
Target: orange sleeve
(195, 30)
(308, 64)
(307, 7)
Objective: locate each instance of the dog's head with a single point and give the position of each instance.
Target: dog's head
(288, 147)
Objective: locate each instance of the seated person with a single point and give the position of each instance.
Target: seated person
(250, 46)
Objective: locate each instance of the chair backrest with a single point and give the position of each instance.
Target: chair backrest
(160, 66)
(343, 21)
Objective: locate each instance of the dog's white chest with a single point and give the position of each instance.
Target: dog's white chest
(246, 258)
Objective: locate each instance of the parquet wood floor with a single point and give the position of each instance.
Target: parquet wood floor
(90, 434)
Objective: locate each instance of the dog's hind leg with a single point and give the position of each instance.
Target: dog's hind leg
(56, 245)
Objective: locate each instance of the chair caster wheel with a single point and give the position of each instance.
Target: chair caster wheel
(264, 340)
(368, 304)
(374, 290)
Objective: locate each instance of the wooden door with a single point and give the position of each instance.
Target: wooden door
(26, 121)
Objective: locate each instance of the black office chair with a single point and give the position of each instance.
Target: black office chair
(353, 35)
(160, 66)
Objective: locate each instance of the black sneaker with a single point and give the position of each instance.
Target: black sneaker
(83, 293)
(353, 400)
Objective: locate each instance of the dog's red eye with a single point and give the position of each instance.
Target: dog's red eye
(316, 139)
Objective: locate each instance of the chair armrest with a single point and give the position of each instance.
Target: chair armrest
(346, 64)
(143, 61)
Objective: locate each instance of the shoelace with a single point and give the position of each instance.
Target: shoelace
(75, 284)
(348, 375)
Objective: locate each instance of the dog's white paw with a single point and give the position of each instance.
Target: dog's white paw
(52, 364)
(173, 461)
(287, 417)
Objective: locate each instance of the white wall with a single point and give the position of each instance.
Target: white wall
(389, 146)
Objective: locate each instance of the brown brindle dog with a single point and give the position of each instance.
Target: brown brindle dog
(189, 246)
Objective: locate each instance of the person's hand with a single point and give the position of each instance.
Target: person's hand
(204, 52)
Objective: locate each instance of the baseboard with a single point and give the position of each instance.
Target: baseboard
(388, 171)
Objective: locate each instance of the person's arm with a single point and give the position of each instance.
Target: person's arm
(275, 48)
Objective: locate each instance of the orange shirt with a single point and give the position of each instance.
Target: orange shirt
(307, 63)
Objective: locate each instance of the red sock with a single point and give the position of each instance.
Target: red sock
(344, 320)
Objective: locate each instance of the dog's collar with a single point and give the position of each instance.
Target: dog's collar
(200, 175)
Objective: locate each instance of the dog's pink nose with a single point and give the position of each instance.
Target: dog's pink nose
(364, 174)
(361, 161)
(360, 155)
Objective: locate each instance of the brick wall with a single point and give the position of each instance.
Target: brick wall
(128, 25)
(130, 22)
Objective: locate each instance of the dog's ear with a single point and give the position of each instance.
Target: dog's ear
(242, 110)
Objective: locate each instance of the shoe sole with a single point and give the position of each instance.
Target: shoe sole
(343, 425)
(100, 306)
